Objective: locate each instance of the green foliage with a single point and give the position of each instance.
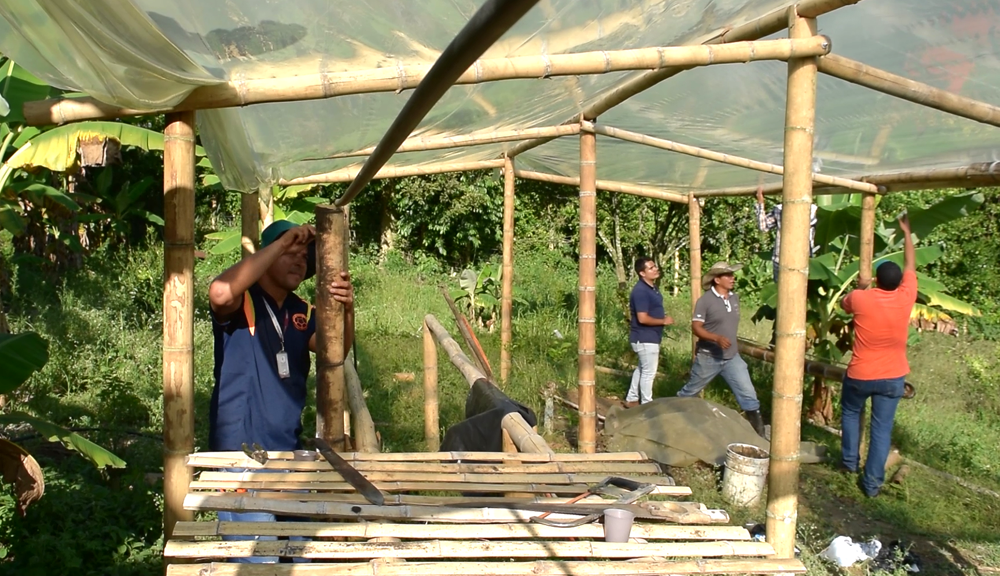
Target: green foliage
(479, 294)
(21, 355)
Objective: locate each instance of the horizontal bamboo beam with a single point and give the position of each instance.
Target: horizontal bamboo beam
(411, 486)
(436, 549)
(244, 92)
(717, 156)
(348, 174)
(910, 90)
(759, 27)
(534, 568)
(424, 143)
(500, 468)
(367, 530)
(377, 477)
(678, 512)
(307, 493)
(606, 185)
(971, 176)
(436, 457)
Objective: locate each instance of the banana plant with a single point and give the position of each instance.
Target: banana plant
(834, 269)
(22, 355)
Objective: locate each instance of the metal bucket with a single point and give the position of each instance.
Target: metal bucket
(745, 475)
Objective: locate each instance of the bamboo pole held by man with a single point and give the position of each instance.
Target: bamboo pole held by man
(694, 250)
(331, 225)
(249, 222)
(178, 315)
(790, 347)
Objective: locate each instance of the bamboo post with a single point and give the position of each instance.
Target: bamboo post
(365, 438)
(250, 222)
(694, 243)
(790, 348)
(867, 238)
(507, 287)
(331, 222)
(432, 431)
(586, 377)
(178, 315)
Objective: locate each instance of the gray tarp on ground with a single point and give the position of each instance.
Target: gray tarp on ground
(682, 431)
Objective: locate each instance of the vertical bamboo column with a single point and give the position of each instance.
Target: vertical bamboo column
(250, 222)
(694, 241)
(793, 258)
(331, 224)
(507, 286)
(586, 373)
(178, 315)
(432, 430)
(867, 238)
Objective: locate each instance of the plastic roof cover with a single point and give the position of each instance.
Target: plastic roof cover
(151, 53)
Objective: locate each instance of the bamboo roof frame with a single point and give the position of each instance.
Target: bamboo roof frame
(733, 43)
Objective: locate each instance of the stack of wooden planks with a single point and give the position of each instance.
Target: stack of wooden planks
(453, 513)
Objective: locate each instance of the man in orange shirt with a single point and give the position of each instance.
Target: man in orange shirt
(878, 364)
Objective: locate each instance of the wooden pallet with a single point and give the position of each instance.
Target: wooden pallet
(431, 524)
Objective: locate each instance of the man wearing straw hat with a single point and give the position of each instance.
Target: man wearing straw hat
(263, 335)
(715, 323)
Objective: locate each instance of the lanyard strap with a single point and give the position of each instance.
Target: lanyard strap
(274, 319)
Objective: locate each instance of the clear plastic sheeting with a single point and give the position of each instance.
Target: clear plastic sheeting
(147, 54)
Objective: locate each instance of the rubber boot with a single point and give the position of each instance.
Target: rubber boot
(756, 420)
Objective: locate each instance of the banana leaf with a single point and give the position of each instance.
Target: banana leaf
(98, 456)
(21, 355)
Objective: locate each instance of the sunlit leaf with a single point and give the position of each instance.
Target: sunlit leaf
(924, 220)
(228, 241)
(98, 456)
(56, 149)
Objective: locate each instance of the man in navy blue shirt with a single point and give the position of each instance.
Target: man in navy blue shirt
(263, 336)
(648, 318)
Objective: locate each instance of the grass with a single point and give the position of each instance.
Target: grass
(104, 332)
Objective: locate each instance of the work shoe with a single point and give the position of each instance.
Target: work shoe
(631, 404)
(756, 420)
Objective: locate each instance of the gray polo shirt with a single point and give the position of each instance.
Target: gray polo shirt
(719, 319)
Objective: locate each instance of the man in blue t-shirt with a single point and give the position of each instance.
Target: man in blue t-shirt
(648, 318)
(263, 335)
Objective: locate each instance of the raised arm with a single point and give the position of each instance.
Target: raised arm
(909, 252)
(226, 292)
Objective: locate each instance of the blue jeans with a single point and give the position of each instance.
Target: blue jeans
(225, 516)
(885, 395)
(641, 388)
(734, 371)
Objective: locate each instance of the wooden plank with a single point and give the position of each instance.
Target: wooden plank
(436, 549)
(447, 456)
(607, 468)
(571, 489)
(678, 512)
(376, 477)
(535, 568)
(366, 530)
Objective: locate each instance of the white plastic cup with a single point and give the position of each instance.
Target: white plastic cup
(617, 525)
(306, 455)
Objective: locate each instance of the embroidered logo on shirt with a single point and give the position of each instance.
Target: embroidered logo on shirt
(300, 322)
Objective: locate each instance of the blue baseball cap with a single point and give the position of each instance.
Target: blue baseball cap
(276, 230)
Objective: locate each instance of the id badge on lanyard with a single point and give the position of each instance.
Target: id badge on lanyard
(284, 370)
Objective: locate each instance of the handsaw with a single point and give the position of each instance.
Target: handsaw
(350, 475)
